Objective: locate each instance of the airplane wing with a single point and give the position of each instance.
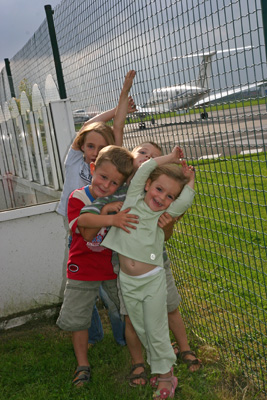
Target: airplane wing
(142, 112)
(228, 92)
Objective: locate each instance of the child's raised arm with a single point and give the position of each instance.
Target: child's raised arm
(110, 114)
(174, 157)
(189, 172)
(122, 108)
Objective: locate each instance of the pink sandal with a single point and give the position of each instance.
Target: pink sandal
(164, 393)
(154, 382)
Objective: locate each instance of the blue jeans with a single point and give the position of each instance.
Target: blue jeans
(96, 332)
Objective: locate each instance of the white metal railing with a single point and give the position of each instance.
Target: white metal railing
(32, 148)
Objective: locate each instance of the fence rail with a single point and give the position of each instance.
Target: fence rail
(201, 82)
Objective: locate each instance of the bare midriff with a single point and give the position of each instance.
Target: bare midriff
(133, 267)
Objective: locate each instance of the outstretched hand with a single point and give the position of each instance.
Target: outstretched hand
(131, 105)
(177, 155)
(188, 170)
(128, 81)
(124, 220)
(114, 206)
(166, 222)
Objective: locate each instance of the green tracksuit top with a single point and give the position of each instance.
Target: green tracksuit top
(145, 243)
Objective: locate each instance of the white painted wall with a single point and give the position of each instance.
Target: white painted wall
(33, 258)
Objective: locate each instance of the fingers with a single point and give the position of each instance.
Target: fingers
(130, 74)
(118, 205)
(128, 224)
(124, 227)
(114, 206)
(193, 169)
(127, 220)
(131, 219)
(131, 105)
(164, 220)
(178, 153)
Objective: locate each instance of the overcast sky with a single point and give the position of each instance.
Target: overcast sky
(19, 19)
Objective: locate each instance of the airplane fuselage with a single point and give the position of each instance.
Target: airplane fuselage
(176, 97)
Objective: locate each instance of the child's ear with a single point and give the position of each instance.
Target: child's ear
(147, 186)
(92, 167)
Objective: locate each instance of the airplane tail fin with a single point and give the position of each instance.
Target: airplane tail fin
(205, 70)
(205, 66)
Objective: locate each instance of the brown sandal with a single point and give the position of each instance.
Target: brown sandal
(81, 376)
(132, 377)
(182, 355)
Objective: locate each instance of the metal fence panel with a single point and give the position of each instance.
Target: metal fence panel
(219, 247)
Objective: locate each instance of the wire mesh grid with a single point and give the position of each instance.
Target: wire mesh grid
(186, 54)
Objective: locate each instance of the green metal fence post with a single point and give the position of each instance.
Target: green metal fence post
(264, 21)
(9, 76)
(53, 39)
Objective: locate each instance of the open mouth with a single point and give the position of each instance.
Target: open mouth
(157, 203)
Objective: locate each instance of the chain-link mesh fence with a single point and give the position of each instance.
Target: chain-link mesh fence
(201, 72)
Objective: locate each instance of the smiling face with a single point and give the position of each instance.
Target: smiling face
(106, 179)
(161, 192)
(93, 143)
(143, 153)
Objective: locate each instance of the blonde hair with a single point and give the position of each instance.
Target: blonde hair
(121, 158)
(100, 127)
(173, 171)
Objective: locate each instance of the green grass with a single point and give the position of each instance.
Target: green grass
(37, 363)
(220, 262)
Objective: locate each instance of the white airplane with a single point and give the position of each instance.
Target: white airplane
(196, 93)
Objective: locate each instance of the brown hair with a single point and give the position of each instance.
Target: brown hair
(100, 127)
(148, 142)
(121, 158)
(173, 171)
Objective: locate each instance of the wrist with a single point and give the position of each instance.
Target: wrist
(104, 210)
(112, 220)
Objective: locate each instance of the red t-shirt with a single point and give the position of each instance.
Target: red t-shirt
(87, 261)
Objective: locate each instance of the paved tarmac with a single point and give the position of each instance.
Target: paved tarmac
(224, 133)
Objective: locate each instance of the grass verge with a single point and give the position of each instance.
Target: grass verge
(37, 362)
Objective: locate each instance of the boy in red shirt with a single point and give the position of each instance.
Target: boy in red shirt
(84, 276)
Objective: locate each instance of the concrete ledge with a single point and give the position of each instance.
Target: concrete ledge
(19, 321)
(28, 211)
